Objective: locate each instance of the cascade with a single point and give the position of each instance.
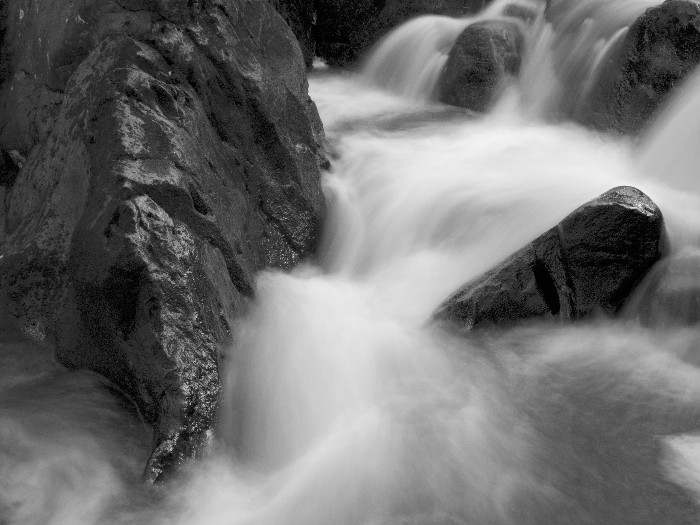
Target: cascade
(410, 59)
(668, 149)
(569, 45)
(343, 403)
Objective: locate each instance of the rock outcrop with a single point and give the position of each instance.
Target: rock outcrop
(346, 29)
(482, 60)
(660, 50)
(300, 15)
(171, 152)
(590, 262)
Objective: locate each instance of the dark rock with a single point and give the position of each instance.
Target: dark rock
(300, 15)
(179, 156)
(670, 294)
(482, 59)
(346, 29)
(590, 262)
(660, 50)
(8, 169)
(526, 13)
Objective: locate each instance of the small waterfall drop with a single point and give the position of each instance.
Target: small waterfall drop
(410, 59)
(669, 149)
(569, 47)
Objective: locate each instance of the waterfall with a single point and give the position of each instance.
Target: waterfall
(570, 44)
(569, 50)
(410, 59)
(669, 151)
(343, 404)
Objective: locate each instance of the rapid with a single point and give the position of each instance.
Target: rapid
(343, 403)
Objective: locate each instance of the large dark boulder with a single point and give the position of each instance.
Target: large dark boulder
(482, 60)
(660, 50)
(172, 151)
(588, 263)
(346, 29)
(300, 15)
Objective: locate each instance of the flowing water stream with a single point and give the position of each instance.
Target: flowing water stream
(343, 405)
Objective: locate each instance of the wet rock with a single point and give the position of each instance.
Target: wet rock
(347, 29)
(482, 59)
(180, 155)
(670, 294)
(526, 12)
(590, 262)
(300, 15)
(660, 50)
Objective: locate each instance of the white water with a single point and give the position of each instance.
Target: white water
(344, 407)
(410, 59)
(568, 49)
(573, 49)
(669, 149)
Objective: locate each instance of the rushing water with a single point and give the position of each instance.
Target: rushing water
(344, 406)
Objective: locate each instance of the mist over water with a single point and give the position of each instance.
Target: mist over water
(71, 448)
(344, 405)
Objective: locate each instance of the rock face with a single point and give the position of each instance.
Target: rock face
(171, 152)
(482, 59)
(346, 29)
(300, 15)
(670, 294)
(589, 262)
(660, 50)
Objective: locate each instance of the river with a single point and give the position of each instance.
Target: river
(343, 404)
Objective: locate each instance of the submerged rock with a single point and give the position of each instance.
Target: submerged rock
(660, 50)
(172, 151)
(482, 59)
(590, 262)
(346, 29)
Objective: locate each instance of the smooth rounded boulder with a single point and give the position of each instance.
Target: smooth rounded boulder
(482, 60)
(589, 263)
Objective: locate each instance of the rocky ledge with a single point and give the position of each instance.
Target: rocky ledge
(170, 151)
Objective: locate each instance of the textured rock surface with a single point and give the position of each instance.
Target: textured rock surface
(300, 15)
(171, 152)
(660, 50)
(670, 294)
(588, 263)
(346, 29)
(482, 59)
